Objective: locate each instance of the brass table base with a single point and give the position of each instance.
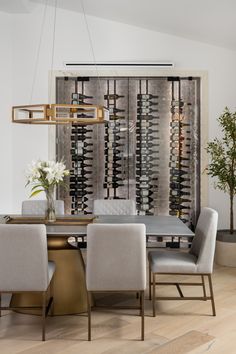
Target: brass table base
(69, 287)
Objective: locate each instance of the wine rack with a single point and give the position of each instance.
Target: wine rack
(81, 152)
(148, 152)
(113, 142)
(180, 151)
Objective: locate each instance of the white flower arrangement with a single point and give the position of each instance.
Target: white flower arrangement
(45, 175)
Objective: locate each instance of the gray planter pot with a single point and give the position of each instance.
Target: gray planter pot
(225, 248)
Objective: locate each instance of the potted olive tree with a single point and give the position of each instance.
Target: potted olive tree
(223, 166)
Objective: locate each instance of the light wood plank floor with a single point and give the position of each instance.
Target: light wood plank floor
(180, 326)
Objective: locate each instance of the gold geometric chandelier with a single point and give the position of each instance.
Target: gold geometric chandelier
(81, 114)
(60, 114)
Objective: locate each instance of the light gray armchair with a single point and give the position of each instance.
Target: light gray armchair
(114, 207)
(198, 261)
(116, 262)
(24, 265)
(38, 207)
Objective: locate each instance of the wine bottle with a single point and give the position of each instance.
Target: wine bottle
(115, 118)
(111, 185)
(179, 124)
(144, 193)
(144, 200)
(115, 137)
(114, 110)
(78, 179)
(112, 179)
(178, 213)
(114, 157)
(79, 193)
(179, 193)
(150, 158)
(147, 139)
(180, 158)
(147, 165)
(146, 110)
(179, 200)
(145, 206)
(83, 150)
(109, 144)
(177, 151)
(177, 165)
(79, 96)
(112, 165)
(82, 172)
(145, 96)
(80, 137)
(177, 185)
(80, 164)
(113, 130)
(76, 158)
(147, 120)
(178, 206)
(146, 104)
(177, 103)
(83, 144)
(176, 172)
(143, 178)
(112, 96)
(179, 179)
(80, 129)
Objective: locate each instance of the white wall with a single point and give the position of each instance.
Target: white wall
(5, 115)
(112, 42)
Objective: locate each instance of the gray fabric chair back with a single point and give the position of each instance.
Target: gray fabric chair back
(203, 246)
(23, 258)
(116, 257)
(114, 207)
(38, 207)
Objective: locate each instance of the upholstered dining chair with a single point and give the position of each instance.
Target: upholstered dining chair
(198, 261)
(38, 207)
(114, 207)
(116, 262)
(24, 265)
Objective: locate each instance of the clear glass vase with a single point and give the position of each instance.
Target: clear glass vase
(50, 211)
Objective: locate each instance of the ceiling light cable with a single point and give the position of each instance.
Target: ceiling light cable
(38, 51)
(53, 50)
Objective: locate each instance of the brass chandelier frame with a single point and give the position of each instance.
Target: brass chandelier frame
(82, 114)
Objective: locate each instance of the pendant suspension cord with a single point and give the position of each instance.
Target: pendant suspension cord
(91, 45)
(94, 59)
(38, 51)
(53, 50)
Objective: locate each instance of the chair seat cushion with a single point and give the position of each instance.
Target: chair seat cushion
(162, 261)
(51, 270)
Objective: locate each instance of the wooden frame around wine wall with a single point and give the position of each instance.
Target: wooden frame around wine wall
(104, 72)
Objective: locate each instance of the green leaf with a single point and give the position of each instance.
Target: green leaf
(36, 186)
(36, 192)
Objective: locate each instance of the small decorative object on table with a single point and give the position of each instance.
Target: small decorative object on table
(44, 176)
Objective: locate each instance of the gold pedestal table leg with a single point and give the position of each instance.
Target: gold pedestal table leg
(69, 287)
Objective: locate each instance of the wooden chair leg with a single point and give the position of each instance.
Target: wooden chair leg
(153, 294)
(150, 285)
(51, 292)
(89, 315)
(140, 303)
(203, 286)
(44, 298)
(142, 314)
(212, 295)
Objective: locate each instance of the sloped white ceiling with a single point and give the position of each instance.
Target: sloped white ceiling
(210, 21)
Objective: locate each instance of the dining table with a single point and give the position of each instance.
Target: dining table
(69, 284)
